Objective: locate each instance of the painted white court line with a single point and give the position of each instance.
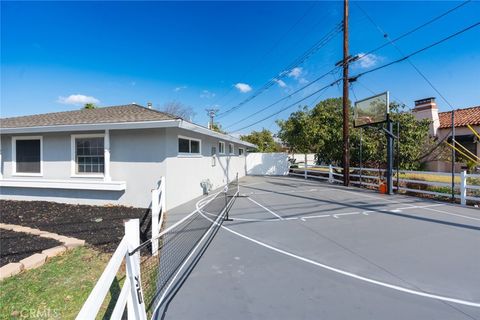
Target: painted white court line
(345, 214)
(258, 204)
(452, 214)
(347, 273)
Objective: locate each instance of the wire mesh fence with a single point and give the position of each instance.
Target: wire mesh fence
(179, 245)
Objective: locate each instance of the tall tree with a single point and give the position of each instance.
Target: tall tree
(263, 140)
(320, 130)
(179, 109)
(89, 106)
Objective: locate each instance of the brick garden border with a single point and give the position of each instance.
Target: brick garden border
(37, 259)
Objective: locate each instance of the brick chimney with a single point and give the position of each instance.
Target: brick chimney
(427, 109)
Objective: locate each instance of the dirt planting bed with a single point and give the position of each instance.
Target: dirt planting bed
(100, 226)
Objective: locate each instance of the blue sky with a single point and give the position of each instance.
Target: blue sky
(56, 55)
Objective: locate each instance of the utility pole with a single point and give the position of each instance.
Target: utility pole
(346, 108)
(211, 113)
(453, 155)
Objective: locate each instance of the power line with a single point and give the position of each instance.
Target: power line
(284, 98)
(301, 59)
(354, 78)
(290, 105)
(408, 32)
(408, 60)
(272, 48)
(415, 52)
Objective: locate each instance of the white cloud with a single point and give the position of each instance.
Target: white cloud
(367, 61)
(177, 89)
(302, 80)
(77, 99)
(243, 87)
(207, 94)
(281, 83)
(295, 72)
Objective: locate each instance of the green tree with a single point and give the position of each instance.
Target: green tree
(263, 140)
(218, 128)
(89, 106)
(319, 130)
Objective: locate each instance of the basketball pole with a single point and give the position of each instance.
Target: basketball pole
(346, 111)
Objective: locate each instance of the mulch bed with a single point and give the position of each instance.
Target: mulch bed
(100, 226)
(16, 246)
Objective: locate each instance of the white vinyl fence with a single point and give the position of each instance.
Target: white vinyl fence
(158, 212)
(131, 293)
(467, 186)
(267, 164)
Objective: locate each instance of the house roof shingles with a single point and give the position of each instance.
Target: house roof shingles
(463, 117)
(115, 114)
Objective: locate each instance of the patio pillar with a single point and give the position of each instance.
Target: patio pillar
(106, 155)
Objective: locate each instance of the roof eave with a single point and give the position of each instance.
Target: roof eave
(92, 127)
(202, 130)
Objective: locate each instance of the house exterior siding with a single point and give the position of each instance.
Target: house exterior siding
(140, 157)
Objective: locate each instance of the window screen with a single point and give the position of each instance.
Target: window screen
(27, 153)
(89, 155)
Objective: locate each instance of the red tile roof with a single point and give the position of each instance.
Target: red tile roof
(463, 117)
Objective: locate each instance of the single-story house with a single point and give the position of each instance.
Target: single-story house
(113, 155)
(441, 125)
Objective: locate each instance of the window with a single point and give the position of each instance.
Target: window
(230, 148)
(27, 155)
(89, 155)
(240, 151)
(188, 145)
(221, 147)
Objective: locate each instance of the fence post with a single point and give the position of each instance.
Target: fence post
(305, 167)
(330, 173)
(163, 199)
(463, 188)
(238, 186)
(135, 303)
(155, 224)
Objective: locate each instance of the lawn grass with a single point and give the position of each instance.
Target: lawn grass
(58, 289)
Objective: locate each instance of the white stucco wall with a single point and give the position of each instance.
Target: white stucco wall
(185, 173)
(138, 157)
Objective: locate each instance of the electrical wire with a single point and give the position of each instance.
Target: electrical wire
(305, 56)
(410, 31)
(416, 52)
(284, 98)
(289, 106)
(272, 48)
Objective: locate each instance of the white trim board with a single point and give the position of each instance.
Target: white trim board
(64, 184)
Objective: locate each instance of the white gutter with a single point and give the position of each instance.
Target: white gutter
(199, 129)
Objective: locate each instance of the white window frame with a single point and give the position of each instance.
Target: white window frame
(190, 154)
(14, 156)
(233, 149)
(243, 154)
(73, 172)
(223, 144)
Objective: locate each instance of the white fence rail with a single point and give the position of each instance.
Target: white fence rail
(158, 211)
(131, 293)
(332, 174)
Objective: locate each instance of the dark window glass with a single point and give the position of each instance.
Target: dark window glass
(240, 151)
(221, 147)
(27, 155)
(195, 146)
(183, 145)
(89, 155)
(230, 148)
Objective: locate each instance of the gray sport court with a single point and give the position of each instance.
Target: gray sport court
(301, 249)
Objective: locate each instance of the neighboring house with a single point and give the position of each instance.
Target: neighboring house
(441, 127)
(113, 155)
